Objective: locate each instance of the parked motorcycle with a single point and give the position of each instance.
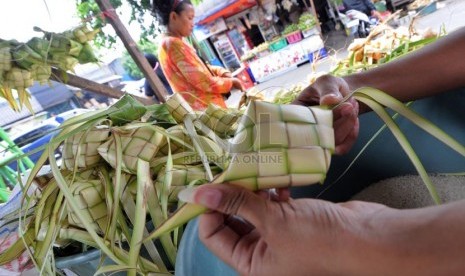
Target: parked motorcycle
(357, 23)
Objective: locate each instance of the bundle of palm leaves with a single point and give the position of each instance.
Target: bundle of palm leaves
(23, 63)
(124, 166)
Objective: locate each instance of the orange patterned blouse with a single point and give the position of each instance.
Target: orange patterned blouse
(190, 77)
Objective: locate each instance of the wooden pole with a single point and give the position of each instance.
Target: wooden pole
(111, 16)
(89, 85)
(316, 16)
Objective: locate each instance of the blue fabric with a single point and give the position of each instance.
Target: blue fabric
(383, 158)
(153, 60)
(194, 259)
(365, 6)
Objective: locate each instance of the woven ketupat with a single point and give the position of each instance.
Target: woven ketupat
(274, 146)
(90, 195)
(178, 107)
(222, 122)
(281, 146)
(139, 143)
(19, 79)
(86, 143)
(83, 34)
(41, 73)
(175, 146)
(183, 175)
(5, 59)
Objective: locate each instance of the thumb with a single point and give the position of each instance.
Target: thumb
(230, 200)
(331, 99)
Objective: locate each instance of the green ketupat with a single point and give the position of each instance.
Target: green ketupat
(134, 143)
(83, 34)
(81, 150)
(63, 61)
(274, 146)
(61, 44)
(89, 191)
(25, 57)
(222, 122)
(5, 58)
(87, 54)
(40, 46)
(182, 176)
(60, 50)
(41, 73)
(19, 80)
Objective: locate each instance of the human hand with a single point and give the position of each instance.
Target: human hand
(377, 15)
(237, 83)
(258, 236)
(329, 90)
(227, 74)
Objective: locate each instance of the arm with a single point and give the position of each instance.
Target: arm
(220, 71)
(424, 241)
(225, 73)
(315, 237)
(436, 68)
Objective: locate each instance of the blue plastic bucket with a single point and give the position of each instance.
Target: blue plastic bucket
(322, 53)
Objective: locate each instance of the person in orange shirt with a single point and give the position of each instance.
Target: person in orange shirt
(198, 83)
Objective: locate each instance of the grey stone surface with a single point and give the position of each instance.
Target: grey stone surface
(409, 191)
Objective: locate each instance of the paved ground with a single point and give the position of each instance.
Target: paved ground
(450, 14)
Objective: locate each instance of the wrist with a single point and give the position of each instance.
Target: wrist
(369, 247)
(354, 82)
(424, 241)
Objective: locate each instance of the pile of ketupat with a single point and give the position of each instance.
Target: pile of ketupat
(122, 169)
(124, 166)
(23, 63)
(384, 44)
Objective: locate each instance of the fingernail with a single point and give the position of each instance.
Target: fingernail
(207, 197)
(330, 98)
(187, 195)
(335, 95)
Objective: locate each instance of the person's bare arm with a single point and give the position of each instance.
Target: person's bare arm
(433, 69)
(424, 241)
(315, 237)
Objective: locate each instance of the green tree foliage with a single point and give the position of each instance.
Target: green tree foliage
(337, 2)
(89, 11)
(130, 66)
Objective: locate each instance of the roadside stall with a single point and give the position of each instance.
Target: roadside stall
(220, 43)
(297, 44)
(249, 35)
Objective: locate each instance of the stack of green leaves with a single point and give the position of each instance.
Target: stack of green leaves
(23, 63)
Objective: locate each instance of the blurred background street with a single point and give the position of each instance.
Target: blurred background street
(450, 14)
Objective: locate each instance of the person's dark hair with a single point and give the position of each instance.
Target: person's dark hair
(161, 9)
